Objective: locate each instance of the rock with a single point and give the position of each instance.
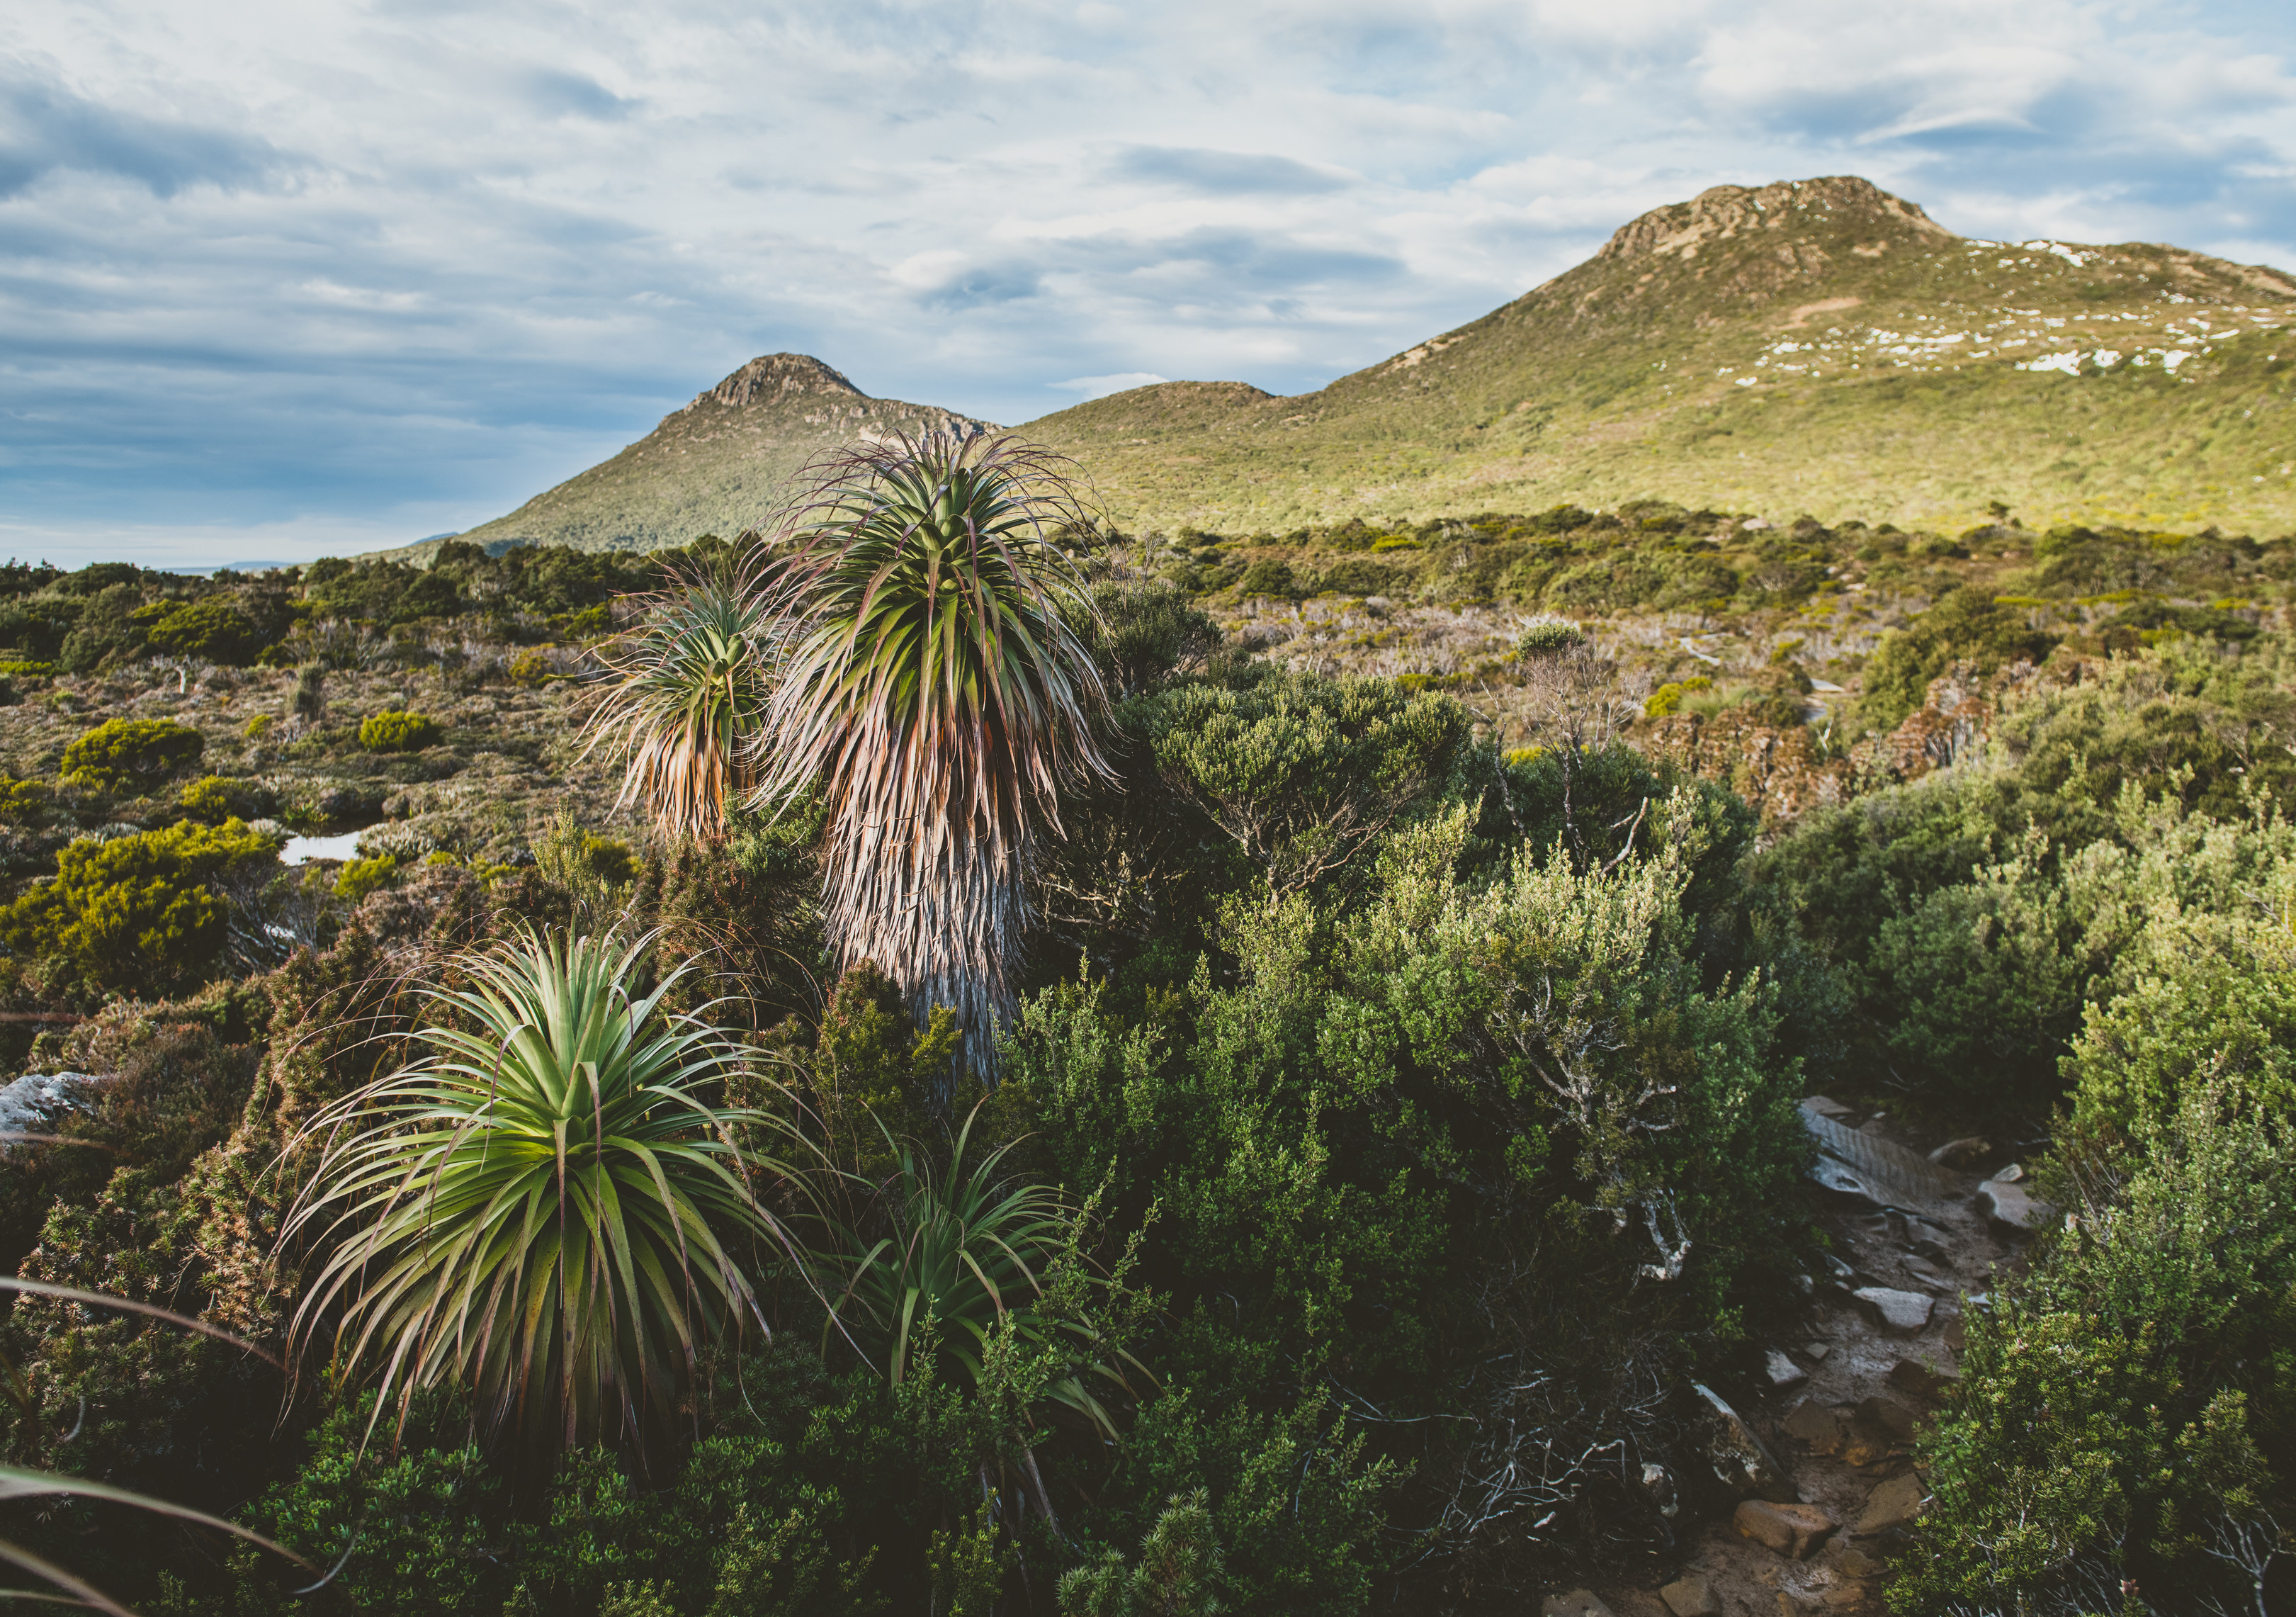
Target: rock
(1578, 1602)
(2010, 1175)
(2008, 1207)
(1782, 1371)
(1816, 1350)
(1891, 1503)
(1739, 1460)
(1857, 1563)
(1963, 1155)
(1888, 1415)
(1929, 1275)
(1899, 1313)
(1690, 1596)
(1804, 1287)
(1825, 1107)
(1933, 1251)
(1878, 1429)
(1814, 1426)
(1659, 1488)
(1793, 1531)
(1912, 1376)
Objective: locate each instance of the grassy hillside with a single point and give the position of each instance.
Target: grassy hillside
(716, 466)
(1817, 345)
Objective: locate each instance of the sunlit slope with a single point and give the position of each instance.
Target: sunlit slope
(1817, 345)
(718, 465)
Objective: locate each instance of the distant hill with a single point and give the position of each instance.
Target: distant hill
(718, 466)
(1817, 346)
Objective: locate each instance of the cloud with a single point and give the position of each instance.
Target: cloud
(1101, 387)
(1224, 173)
(394, 266)
(44, 128)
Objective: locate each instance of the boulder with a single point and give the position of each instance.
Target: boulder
(1814, 1426)
(1792, 1530)
(1658, 1487)
(1824, 1106)
(1782, 1371)
(1578, 1602)
(1899, 1313)
(1963, 1155)
(1739, 1460)
(2011, 1174)
(1878, 1429)
(2008, 1207)
(1690, 1596)
(1891, 1503)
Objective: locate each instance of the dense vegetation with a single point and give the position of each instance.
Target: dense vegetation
(1313, 1180)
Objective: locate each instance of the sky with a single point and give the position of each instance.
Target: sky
(285, 278)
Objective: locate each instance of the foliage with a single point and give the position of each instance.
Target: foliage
(359, 877)
(124, 754)
(688, 697)
(540, 1207)
(392, 731)
(2136, 1393)
(213, 628)
(1177, 1573)
(1965, 625)
(938, 694)
(969, 1258)
(136, 909)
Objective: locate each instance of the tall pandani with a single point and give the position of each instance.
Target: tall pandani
(688, 692)
(936, 690)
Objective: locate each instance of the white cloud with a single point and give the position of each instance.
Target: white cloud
(394, 262)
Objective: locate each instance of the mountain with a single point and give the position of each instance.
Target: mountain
(718, 466)
(1816, 346)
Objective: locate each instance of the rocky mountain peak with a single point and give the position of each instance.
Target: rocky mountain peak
(1836, 205)
(779, 377)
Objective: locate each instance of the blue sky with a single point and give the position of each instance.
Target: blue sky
(294, 277)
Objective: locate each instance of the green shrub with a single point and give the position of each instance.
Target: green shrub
(1542, 636)
(392, 731)
(216, 798)
(2136, 1395)
(212, 628)
(1966, 625)
(135, 911)
(359, 877)
(1668, 698)
(1268, 577)
(131, 754)
(259, 726)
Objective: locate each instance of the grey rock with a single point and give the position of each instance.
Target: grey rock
(1887, 1414)
(1824, 1106)
(1690, 1596)
(1814, 1426)
(2007, 1206)
(1881, 1172)
(32, 1103)
(1928, 1275)
(1899, 1313)
(1922, 1381)
(1815, 1352)
(1658, 1487)
(2010, 1175)
(1963, 1155)
(1782, 1371)
(1739, 1460)
(1578, 1602)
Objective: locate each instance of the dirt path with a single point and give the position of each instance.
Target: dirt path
(1844, 1398)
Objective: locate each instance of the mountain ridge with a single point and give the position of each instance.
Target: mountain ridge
(1816, 346)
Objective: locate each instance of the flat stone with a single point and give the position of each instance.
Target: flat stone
(1690, 1596)
(1965, 1153)
(1912, 1376)
(1899, 1313)
(1739, 1460)
(1857, 1564)
(1792, 1530)
(1578, 1602)
(1825, 1106)
(1929, 1275)
(1816, 1350)
(2010, 1208)
(1782, 1371)
(1891, 1503)
(2010, 1175)
(1814, 1426)
(1878, 1430)
(1888, 1415)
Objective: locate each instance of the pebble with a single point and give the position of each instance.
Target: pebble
(1782, 1371)
(1792, 1530)
(1899, 1313)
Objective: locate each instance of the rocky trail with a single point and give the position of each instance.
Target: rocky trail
(1818, 1450)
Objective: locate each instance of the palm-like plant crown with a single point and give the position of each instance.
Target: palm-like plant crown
(546, 1206)
(937, 689)
(689, 693)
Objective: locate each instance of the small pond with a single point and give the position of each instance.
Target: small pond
(302, 848)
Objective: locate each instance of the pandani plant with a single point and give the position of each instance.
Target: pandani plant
(935, 688)
(688, 693)
(549, 1205)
